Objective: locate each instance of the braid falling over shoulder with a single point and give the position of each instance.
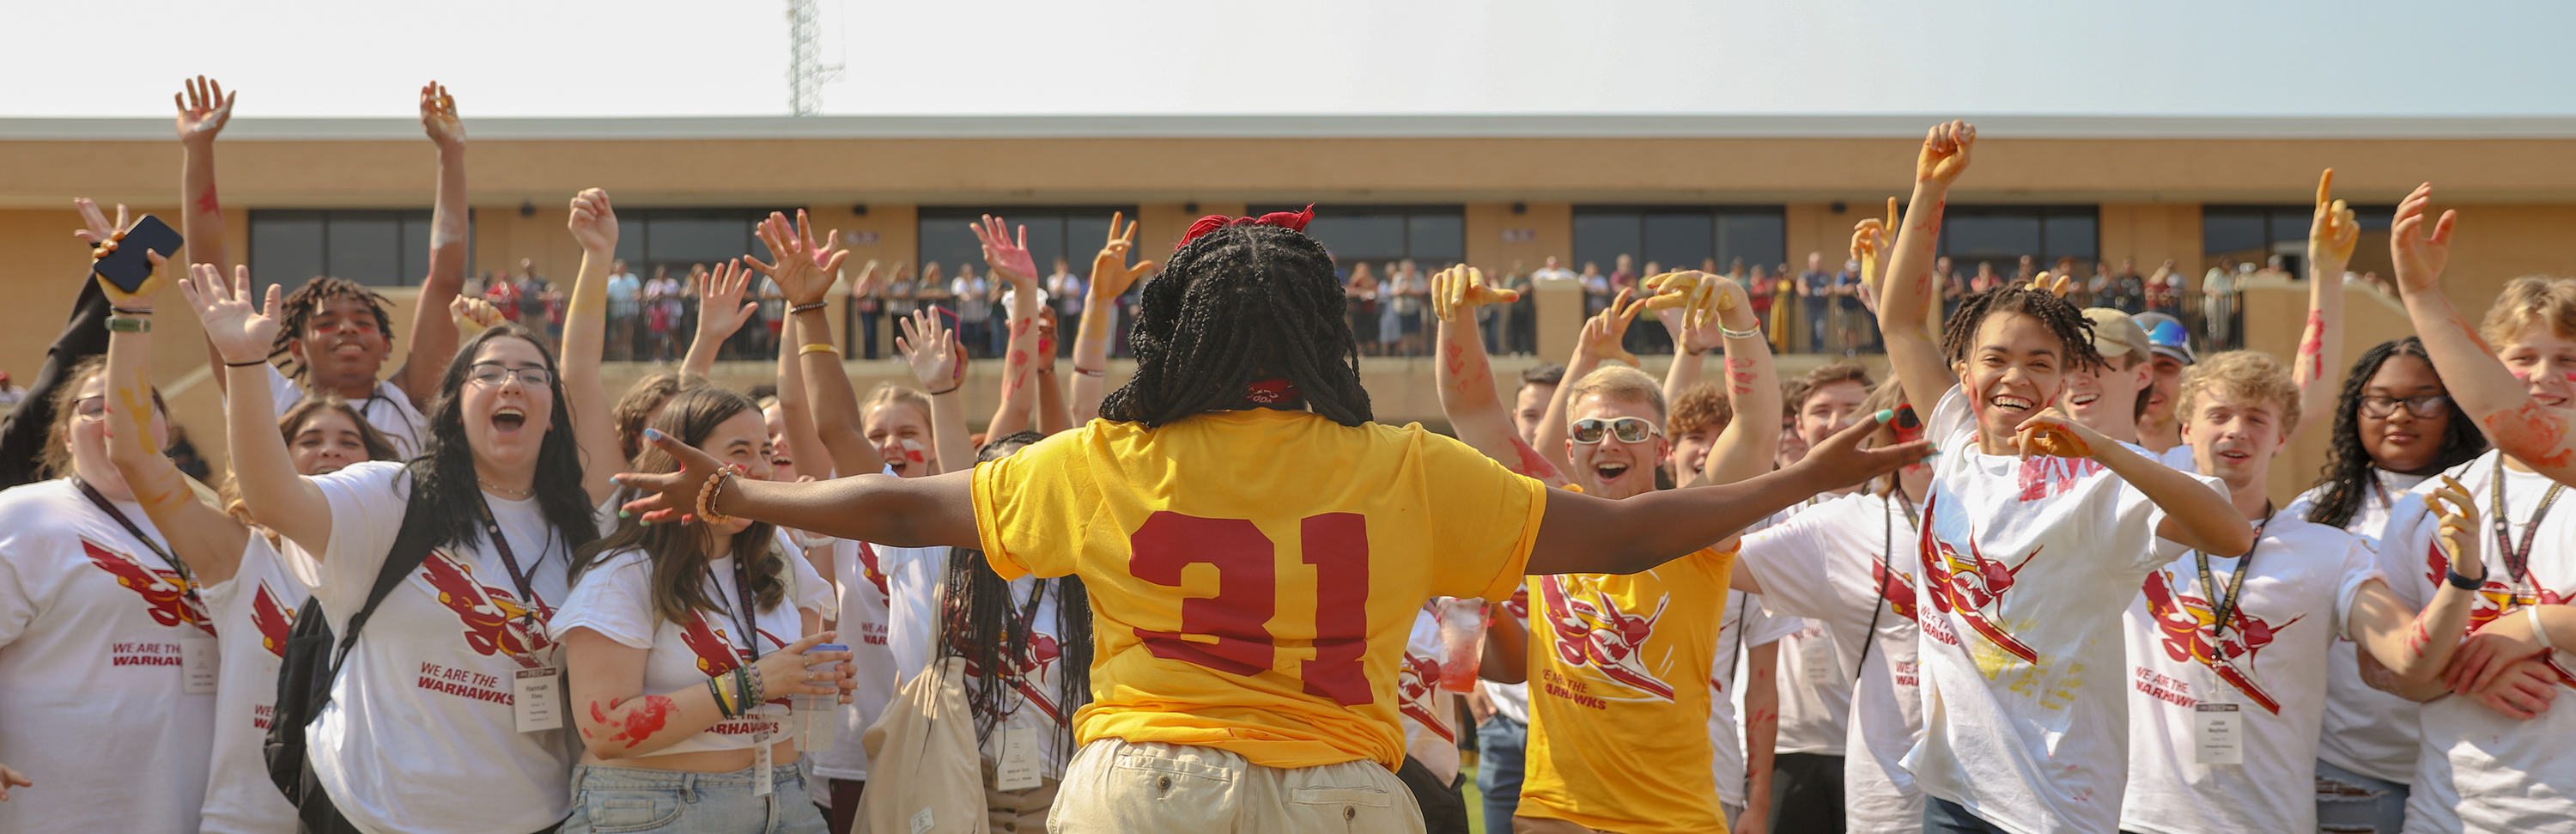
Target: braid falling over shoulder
(1241, 304)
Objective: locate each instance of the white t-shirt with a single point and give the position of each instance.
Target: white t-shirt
(389, 411)
(1428, 712)
(912, 577)
(2270, 662)
(2026, 566)
(1815, 689)
(91, 705)
(1745, 628)
(2479, 771)
(435, 669)
(253, 613)
(615, 599)
(2367, 731)
(1844, 564)
(862, 624)
(1037, 682)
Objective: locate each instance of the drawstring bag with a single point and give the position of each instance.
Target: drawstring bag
(925, 772)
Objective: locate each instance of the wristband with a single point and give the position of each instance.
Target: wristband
(2539, 633)
(1088, 372)
(246, 364)
(806, 308)
(2462, 582)
(819, 347)
(130, 311)
(121, 324)
(951, 390)
(1753, 333)
(715, 690)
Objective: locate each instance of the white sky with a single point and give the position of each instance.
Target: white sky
(729, 57)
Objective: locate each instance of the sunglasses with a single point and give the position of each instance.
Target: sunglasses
(1627, 429)
(1909, 428)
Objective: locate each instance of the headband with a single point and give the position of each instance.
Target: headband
(1291, 220)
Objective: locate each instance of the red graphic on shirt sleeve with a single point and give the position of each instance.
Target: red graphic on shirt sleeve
(165, 595)
(272, 619)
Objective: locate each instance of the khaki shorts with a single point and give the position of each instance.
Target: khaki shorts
(1153, 788)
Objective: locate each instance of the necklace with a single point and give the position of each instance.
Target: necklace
(506, 492)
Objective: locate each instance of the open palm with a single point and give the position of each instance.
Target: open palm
(239, 331)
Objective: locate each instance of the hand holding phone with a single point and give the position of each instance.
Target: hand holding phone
(122, 260)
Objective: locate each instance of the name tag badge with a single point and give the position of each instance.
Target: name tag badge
(2220, 732)
(763, 758)
(199, 664)
(1018, 770)
(536, 701)
(1816, 657)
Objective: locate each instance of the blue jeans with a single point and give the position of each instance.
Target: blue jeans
(2351, 802)
(625, 800)
(1942, 816)
(1499, 744)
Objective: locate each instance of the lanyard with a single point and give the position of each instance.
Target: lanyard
(2379, 492)
(187, 578)
(492, 530)
(1886, 567)
(2223, 600)
(2517, 560)
(742, 613)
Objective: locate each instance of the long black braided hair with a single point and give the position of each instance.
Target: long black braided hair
(2061, 317)
(1241, 304)
(2349, 466)
(980, 622)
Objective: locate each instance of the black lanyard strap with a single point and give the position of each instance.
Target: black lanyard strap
(1886, 567)
(2517, 559)
(187, 578)
(2223, 599)
(742, 614)
(501, 543)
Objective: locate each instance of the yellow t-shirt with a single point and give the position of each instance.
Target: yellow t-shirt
(1254, 574)
(1619, 697)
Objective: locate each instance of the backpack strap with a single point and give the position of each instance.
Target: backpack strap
(411, 547)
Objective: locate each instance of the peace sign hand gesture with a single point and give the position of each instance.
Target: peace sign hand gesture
(1110, 274)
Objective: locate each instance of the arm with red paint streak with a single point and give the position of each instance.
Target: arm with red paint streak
(2331, 236)
(1913, 350)
(1467, 395)
(2536, 435)
(619, 720)
(1746, 448)
(1761, 733)
(2415, 648)
(1011, 261)
(204, 109)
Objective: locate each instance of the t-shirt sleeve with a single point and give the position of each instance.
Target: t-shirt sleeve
(1951, 418)
(1788, 560)
(2358, 569)
(367, 504)
(806, 588)
(2404, 547)
(1762, 629)
(2134, 517)
(613, 598)
(1033, 509)
(1484, 519)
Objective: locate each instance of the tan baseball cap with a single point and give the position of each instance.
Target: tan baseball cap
(2116, 333)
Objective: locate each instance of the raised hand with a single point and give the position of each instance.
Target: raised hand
(805, 270)
(141, 298)
(1841, 461)
(1603, 332)
(1945, 153)
(472, 315)
(2420, 256)
(1456, 292)
(937, 359)
(438, 117)
(2056, 285)
(2333, 232)
(1110, 274)
(2051, 432)
(668, 495)
(1695, 305)
(2457, 535)
(1010, 259)
(97, 231)
(240, 333)
(593, 222)
(721, 310)
(203, 109)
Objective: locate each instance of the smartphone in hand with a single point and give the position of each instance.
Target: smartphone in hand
(127, 267)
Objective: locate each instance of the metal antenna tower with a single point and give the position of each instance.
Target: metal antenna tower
(806, 72)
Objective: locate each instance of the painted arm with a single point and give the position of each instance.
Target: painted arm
(2415, 648)
(618, 720)
(2195, 515)
(1012, 263)
(1598, 341)
(2536, 435)
(1052, 414)
(1746, 447)
(721, 313)
(1913, 350)
(204, 537)
(1761, 734)
(804, 444)
(1110, 278)
(939, 362)
(594, 225)
(434, 335)
(204, 109)
(938, 510)
(242, 334)
(805, 273)
(1475, 412)
(2331, 236)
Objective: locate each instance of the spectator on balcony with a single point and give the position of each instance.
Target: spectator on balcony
(625, 301)
(1815, 300)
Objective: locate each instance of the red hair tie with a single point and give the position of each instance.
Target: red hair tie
(1272, 391)
(1290, 220)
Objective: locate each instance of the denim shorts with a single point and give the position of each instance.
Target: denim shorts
(625, 800)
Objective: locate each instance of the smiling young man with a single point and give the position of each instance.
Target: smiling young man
(2111, 397)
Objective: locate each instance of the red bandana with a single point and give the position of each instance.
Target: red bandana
(1293, 220)
(1272, 392)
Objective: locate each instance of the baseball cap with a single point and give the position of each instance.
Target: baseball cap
(2117, 334)
(2167, 337)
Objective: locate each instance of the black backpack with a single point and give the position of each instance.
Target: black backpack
(310, 663)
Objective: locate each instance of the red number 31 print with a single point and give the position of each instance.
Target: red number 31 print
(1247, 596)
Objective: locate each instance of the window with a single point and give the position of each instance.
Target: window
(678, 239)
(1073, 233)
(378, 248)
(2252, 234)
(1433, 236)
(1678, 237)
(2003, 235)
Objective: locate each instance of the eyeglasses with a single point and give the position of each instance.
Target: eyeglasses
(2427, 406)
(1627, 429)
(496, 374)
(90, 408)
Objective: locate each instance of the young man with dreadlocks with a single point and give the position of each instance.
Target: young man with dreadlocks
(1254, 546)
(336, 334)
(2034, 539)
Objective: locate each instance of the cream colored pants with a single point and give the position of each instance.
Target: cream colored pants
(1153, 788)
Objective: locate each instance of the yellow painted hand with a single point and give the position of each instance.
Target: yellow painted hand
(2333, 232)
(2051, 432)
(2457, 535)
(1704, 303)
(1604, 331)
(472, 315)
(1945, 152)
(1457, 291)
(2056, 285)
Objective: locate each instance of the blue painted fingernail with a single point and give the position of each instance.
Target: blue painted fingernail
(1886, 415)
(652, 434)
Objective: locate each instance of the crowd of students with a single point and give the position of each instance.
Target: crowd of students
(484, 595)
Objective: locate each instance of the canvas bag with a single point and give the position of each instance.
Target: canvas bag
(925, 771)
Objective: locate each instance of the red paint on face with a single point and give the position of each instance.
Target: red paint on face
(2530, 433)
(914, 455)
(647, 719)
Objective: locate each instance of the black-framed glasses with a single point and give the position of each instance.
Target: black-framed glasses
(2425, 406)
(90, 408)
(1627, 429)
(496, 374)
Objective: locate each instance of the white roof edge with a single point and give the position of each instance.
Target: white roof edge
(1322, 126)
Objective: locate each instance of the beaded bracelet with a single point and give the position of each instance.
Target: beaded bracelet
(749, 693)
(801, 308)
(1752, 333)
(707, 497)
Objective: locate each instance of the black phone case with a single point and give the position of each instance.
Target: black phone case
(128, 267)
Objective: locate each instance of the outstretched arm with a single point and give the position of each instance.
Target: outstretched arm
(204, 537)
(934, 511)
(433, 332)
(242, 334)
(1466, 379)
(1761, 732)
(594, 225)
(1913, 350)
(2331, 236)
(2540, 436)
(204, 109)
(2414, 649)
(1110, 278)
(1012, 263)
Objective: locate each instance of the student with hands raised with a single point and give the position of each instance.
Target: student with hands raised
(2515, 372)
(1110, 277)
